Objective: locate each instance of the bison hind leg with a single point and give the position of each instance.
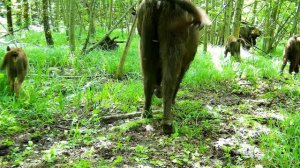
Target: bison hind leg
(149, 85)
(293, 66)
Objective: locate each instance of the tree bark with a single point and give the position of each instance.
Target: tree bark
(253, 22)
(227, 20)
(26, 14)
(91, 25)
(35, 12)
(91, 6)
(237, 18)
(205, 43)
(51, 14)
(273, 27)
(57, 15)
(125, 53)
(72, 27)
(110, 14)
(9, 17)
(46, 24)
(296, 30)
(19, 13)
(267, 24)
(271, 24)
(212, 28)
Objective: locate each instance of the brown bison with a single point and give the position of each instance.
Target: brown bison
(16, 64)
(233, 45)
(169, 34)
(291, 53)
(249, 34)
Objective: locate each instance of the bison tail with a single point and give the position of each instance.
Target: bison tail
(198, 14)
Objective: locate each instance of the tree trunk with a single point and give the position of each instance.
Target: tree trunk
(267, 25)
(51, 13)
(26, 14)
(110, 14)
(65, 9)
(91, 7)
(72, 27)
(273, 27)
(46, 24)
(125, 53)
(205, 29)
(253, 22)
(35, 12)
(227, 20)
(270, 24)
(19, 14)
(237, 18)
(81, 25)
(9, 17)
(91, 25)
(212, 35)
(296, 30)
(57, 15)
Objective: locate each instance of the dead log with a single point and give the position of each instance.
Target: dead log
(110, 31)
(108, 44)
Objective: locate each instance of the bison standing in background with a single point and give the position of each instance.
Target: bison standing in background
(16, 64)
(291, 53)
(169, 34)
(249, 34)
(233, 45)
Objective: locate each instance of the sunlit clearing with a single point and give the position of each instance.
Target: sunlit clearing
(217, 55)
(245, 54)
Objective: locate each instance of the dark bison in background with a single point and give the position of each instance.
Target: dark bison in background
(169, 34)
(249, 34)
(291, 54)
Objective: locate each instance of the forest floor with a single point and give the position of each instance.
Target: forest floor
(226, 114)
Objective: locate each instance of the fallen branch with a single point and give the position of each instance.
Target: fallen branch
(120, 41)
(113, 118)
(70, 76)
(89, 77)
(262, 51)
(8, 34)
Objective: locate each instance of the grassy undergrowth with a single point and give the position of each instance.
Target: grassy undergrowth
(83, 89)
(282, 145)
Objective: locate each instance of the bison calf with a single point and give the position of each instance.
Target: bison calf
(169, 34)
(249, 34)
(291, 53)
(16, 64)
(233, 45)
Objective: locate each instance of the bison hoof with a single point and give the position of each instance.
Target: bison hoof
(147, 114)
(168, 128)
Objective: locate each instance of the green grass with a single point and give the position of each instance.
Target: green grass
(283, 143)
